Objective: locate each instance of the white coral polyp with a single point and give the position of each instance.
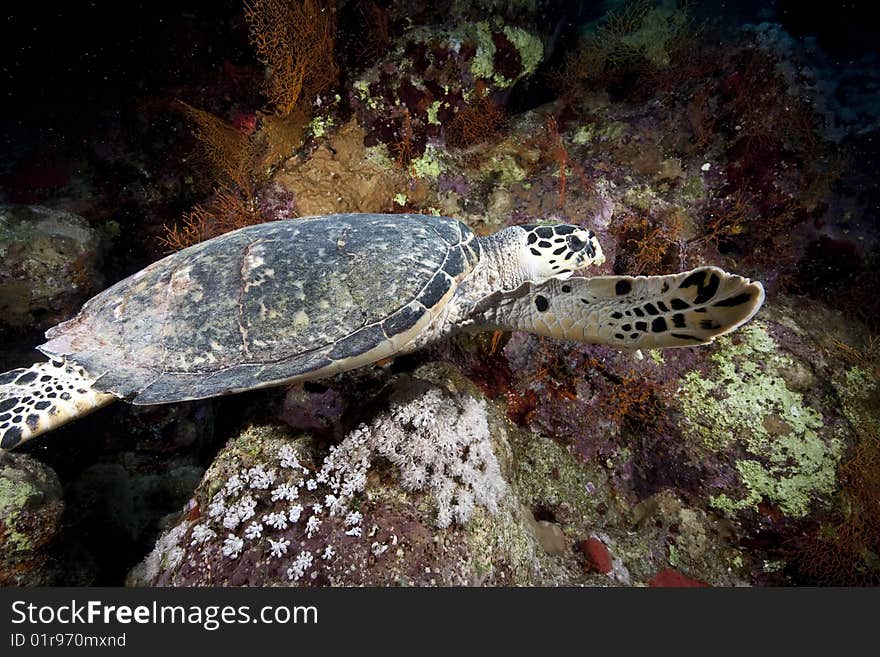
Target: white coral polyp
(231, 520)
(254, 530)
(442, 444)
(294, 513)
(276, 520)
(201, 534)
(286, 492)
(216, 508)
(279, 547)
(312, 526)
(259, 478)
(437, 442)
(302, 563)
(287, 457)
(232, 546)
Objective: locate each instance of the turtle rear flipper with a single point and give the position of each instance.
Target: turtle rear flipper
(679, 310)
(42, 397)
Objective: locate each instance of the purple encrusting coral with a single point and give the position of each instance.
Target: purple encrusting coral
(453, 183)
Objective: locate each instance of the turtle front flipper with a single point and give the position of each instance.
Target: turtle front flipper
(43, 397)
(678, 310)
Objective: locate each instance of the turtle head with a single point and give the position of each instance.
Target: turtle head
(557, 251)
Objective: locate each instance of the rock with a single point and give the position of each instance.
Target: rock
(49, 265)
(549, 534)
(786, 443)
(313, 410)
(597, 554)
(339, 177)
(31, 507)
(424, 494)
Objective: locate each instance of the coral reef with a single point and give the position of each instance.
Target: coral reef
(340, 176)
(386, 506)
(433, 74)
(50, 262)
(266, 512)
(497, 459)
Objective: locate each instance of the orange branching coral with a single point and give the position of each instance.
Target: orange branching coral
(769, 114)
(192, 230)
(761, 234)
(649, 245)
(628, 399)
(846, 549)
(225, 212)
(727, 217)
(701, 118)
(402, 148)
(626, 20)
(641, 39)
(478, 122)
(612, 36)
(555, 147)
(582, 69)
(633, 399)
(231, 155)
(295, 39)
(692, 60)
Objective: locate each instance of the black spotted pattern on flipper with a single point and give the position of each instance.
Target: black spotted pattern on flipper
(642, 312)
(42, 397)
(686, 309)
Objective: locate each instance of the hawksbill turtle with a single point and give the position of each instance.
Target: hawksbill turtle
(302, 299)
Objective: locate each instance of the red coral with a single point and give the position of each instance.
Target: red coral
(555, 148)
(246, 123)
(598, 555)
(669, 577)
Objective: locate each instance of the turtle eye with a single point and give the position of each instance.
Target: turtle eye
(575, 243)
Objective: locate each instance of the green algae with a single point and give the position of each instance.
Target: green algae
(547, 475)
(429, 165)
(745, 408)
(503, 169)
(433, 109)
(693, 188)
(14, 496)
(596, 132)
(641, 197)
(529, 47)
(320, 125)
